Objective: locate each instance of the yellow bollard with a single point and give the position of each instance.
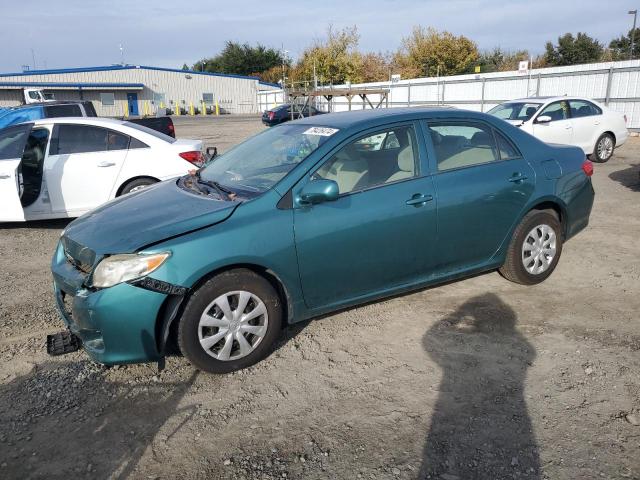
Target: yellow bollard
(217, 108)
(203, 111)
(191, 109)
(125, 110)
(178, 108)
(161, 104)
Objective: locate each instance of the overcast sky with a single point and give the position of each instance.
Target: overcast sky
(167, 33)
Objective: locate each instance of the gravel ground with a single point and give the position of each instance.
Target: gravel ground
(480, 378)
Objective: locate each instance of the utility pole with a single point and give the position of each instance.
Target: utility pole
(33, 57)
(633, 31)
(121, 55)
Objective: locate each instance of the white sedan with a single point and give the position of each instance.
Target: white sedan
(568, 120)
(64, 167)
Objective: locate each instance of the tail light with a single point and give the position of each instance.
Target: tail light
(587, 168)
(194, 157)
(272, 115)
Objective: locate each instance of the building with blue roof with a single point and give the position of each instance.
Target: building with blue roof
(134, 90)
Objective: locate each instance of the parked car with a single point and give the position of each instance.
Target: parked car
(37, 111)
(596, 129)
(299, 221)
(64, 167)
(74, 108)
(282, 113)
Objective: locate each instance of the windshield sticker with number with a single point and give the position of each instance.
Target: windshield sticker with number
(321, 131)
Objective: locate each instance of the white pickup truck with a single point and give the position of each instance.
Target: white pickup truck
(35, 95)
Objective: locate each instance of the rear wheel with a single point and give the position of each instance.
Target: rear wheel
(535, 248)
(604, 148)
(230, 322)
(137, 184)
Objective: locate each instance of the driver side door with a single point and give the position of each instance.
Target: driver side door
(12, 144)
(559, 129)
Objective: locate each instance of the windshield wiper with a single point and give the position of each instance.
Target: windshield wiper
(222, 191)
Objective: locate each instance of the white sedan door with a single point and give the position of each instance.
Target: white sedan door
(586, 118)
(83, 164)
(12, 143)
(559, 129)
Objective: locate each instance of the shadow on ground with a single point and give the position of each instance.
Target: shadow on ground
(86, 426)
(58, 223)
(480, 427)
(629, 177)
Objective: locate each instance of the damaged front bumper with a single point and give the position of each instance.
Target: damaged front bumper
(116, 325)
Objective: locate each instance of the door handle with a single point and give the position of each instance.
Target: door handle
(419, 199)
(4, 176)
(106, 164)
(517, 178)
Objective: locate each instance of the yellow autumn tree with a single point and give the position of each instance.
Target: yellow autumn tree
(427, 52)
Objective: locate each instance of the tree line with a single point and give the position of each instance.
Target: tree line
(336, 58)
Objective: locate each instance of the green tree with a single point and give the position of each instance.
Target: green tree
(241, 59)
(429, 52)
(498, 60)
(620, 48)
(572, 50)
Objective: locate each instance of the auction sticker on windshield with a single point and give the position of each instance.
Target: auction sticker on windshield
(321, 131)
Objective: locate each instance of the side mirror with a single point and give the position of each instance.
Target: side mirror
(318, 191)
(543, 119)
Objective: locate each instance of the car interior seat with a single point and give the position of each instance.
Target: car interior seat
(347, 169)
(405, 160)
(530, 112)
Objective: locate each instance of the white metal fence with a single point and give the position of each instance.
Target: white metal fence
(616, 84)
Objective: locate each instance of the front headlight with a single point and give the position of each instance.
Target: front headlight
(121, 268)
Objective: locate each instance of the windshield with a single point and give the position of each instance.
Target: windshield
(259, 163)
(515, 111)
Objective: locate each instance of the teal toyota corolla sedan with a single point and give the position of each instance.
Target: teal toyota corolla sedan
(310, 217)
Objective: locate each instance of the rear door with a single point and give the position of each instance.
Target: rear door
(483, 183)
(12, 144)
(559, 129)
(586, 118)
(83, 164)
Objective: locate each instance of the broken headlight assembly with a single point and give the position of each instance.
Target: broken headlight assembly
(122, 268)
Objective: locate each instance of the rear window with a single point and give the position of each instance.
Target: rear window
(150, 131)
(56, 111)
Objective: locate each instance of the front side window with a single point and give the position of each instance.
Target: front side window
(556, 110)
(12, 142)
(582, 108)
(462, 144)
(515, 111)
(259, 163)
(368, 162)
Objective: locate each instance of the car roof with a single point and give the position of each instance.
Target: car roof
(97, 121)
(47, 104)
(375, 116)
(548, 99)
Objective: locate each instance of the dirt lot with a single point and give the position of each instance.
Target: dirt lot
(475, 379)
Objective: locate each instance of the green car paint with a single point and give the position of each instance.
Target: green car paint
(434, 227)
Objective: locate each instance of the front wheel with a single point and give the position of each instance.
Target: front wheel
(137, 184)
(230, 322)
(535, 248)
(604, 148)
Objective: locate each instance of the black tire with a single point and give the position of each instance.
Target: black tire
(514, 265)
(226, 282)
(137, 184)
(600, 153)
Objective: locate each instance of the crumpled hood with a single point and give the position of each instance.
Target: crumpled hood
(147, 216)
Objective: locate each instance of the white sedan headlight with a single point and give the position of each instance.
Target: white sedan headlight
(121, 268)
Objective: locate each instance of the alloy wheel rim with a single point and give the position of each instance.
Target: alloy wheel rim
(139, 187)
(605, 148)
(233, 325)
(539, 249)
